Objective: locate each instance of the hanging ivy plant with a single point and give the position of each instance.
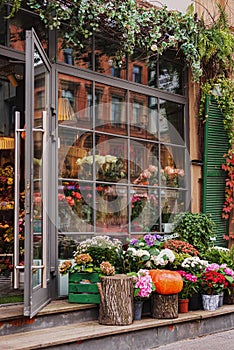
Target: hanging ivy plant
(216, 48)
(222, 89)
(131, 25)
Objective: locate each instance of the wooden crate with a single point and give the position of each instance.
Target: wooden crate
(83, 288)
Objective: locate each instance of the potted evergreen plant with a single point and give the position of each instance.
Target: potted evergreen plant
(195, 228)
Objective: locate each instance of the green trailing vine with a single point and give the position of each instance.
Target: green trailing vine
(216, 48)
(208, 50)
(134, 27)
(222, 90)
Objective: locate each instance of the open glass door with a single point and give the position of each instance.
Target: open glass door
(37, 270)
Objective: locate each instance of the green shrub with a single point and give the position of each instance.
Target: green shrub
(195, 228)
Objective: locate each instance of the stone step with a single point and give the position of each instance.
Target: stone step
(56, 313)
(144, 334)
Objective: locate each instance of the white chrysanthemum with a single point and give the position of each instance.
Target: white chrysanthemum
(168, 253)
(221, 248)
(110, 159)
(88, 160)
(100, 159)
(142, 252)
(194, 261)
(132, 250)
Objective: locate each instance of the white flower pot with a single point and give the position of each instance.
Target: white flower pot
(210, 302)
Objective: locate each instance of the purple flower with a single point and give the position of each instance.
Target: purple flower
(149, 240)
(158, 237)
(212, 267)
(133, 241)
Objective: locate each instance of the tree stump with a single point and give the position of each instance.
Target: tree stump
(164, 306)
(116, 294)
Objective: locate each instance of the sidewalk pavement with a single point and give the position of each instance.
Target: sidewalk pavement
(217, 341)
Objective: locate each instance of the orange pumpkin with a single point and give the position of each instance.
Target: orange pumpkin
(166, 281)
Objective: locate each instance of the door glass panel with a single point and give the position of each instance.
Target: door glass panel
(40, 94)
(37, 207)
(37, 268)
(9, 102)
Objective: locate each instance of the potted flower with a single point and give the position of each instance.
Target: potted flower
(212, 283)
(143, 287)
(137, 254)
(146, 252)
(181, 247)
(227, 273)
(190, 286)
(94, 257)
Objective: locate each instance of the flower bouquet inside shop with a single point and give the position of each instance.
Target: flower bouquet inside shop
(148, 276)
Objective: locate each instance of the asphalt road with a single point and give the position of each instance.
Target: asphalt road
(217, 341)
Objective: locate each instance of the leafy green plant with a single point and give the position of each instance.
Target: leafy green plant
(195, 228)
(220, 255)
(179, 258)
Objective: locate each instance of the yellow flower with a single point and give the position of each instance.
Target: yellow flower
(82, 259)
(65, 266)
(107, 268)
(9, 181)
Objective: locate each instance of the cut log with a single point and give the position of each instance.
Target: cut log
(116, 294)
(164, 306)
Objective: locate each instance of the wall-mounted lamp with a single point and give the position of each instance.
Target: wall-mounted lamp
(12, 80)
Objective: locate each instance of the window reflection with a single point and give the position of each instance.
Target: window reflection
(112, 208)
(75, 101)
(16, 27)
(75, 203)
(167, 74)
(173, 166)
(144, 210)
(171, 122)
(110, 109)
(128, 173)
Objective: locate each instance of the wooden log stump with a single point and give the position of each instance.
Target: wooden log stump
(164, 306)
(116, 294)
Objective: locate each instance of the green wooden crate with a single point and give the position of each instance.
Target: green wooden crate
(81, 291)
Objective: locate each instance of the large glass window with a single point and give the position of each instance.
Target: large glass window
(121, 180)
(123, 165)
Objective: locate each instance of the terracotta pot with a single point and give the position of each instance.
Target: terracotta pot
(183, 305)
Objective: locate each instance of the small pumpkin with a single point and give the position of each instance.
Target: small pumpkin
(166, 281)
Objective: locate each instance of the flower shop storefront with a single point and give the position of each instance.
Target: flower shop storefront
(86, 149)
(116, 145)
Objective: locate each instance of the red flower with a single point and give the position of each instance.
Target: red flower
(213, 282)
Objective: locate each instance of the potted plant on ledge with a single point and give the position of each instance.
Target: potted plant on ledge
(212, 283)
(93, 258)
(143, 287)
(190, 286)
